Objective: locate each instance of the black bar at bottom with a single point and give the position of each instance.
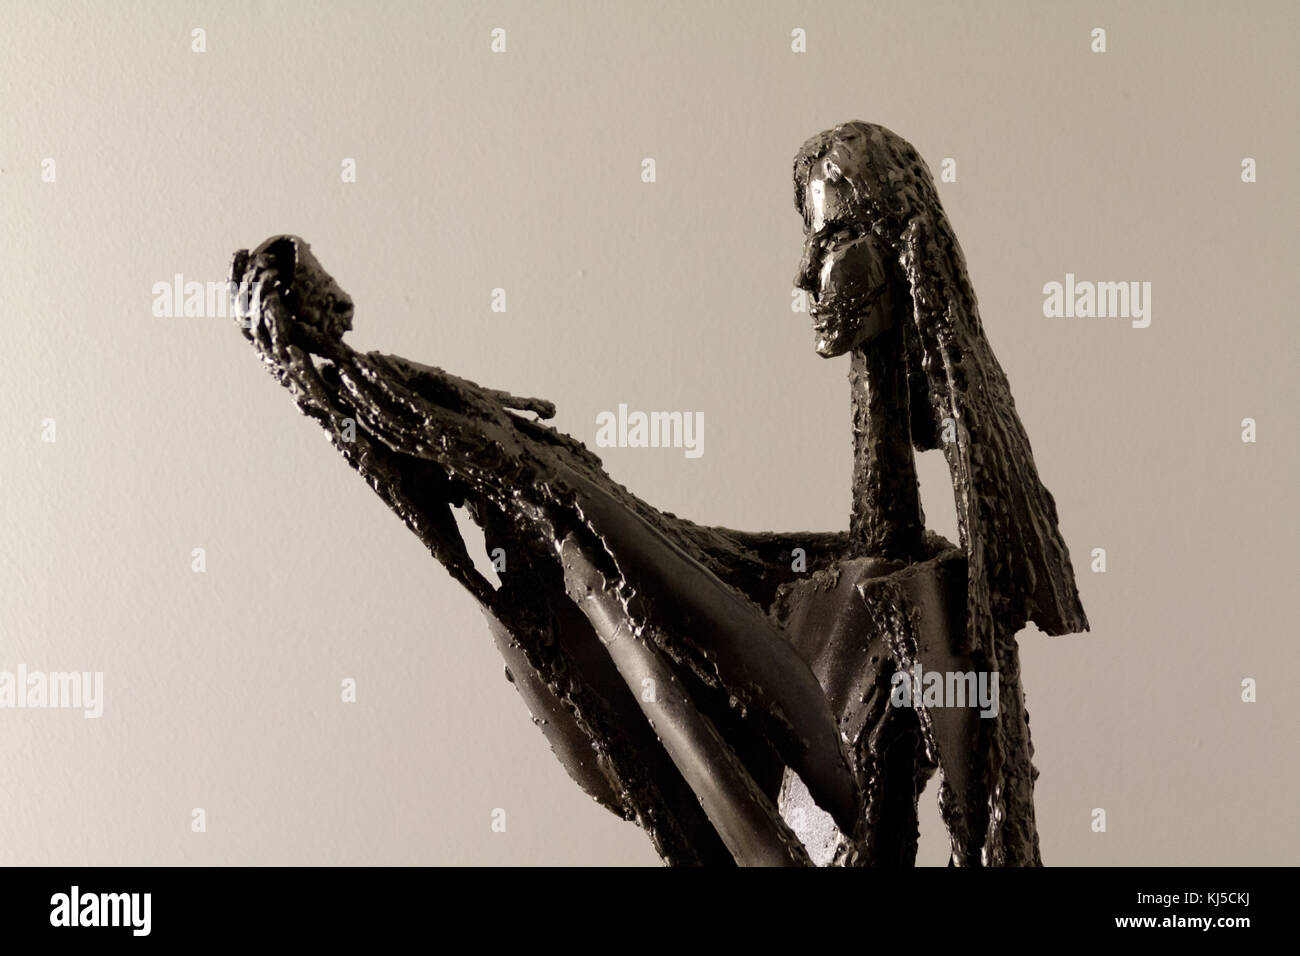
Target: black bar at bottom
(90, 906)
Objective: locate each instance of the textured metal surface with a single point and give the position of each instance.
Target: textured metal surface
(772, 685)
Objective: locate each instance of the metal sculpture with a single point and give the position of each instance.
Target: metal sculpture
(688, 677)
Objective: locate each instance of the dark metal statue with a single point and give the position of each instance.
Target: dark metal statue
(747, 698)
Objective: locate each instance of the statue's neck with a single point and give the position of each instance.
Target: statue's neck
(887, 520)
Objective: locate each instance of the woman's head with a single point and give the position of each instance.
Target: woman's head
(857, 186)
(879, 251)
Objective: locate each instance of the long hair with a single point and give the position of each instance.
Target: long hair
(1018, 566)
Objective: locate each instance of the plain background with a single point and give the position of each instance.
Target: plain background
(522, 171)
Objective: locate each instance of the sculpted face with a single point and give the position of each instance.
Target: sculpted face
(842, 269)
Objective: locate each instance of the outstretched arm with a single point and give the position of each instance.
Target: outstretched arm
(425, 440)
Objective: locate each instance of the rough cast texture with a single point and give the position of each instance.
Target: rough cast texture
(770, 657)
(426, 440)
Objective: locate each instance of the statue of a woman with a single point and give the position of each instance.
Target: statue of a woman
(688, 677)
(887, 283)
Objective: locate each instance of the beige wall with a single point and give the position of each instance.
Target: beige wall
(522, 170)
